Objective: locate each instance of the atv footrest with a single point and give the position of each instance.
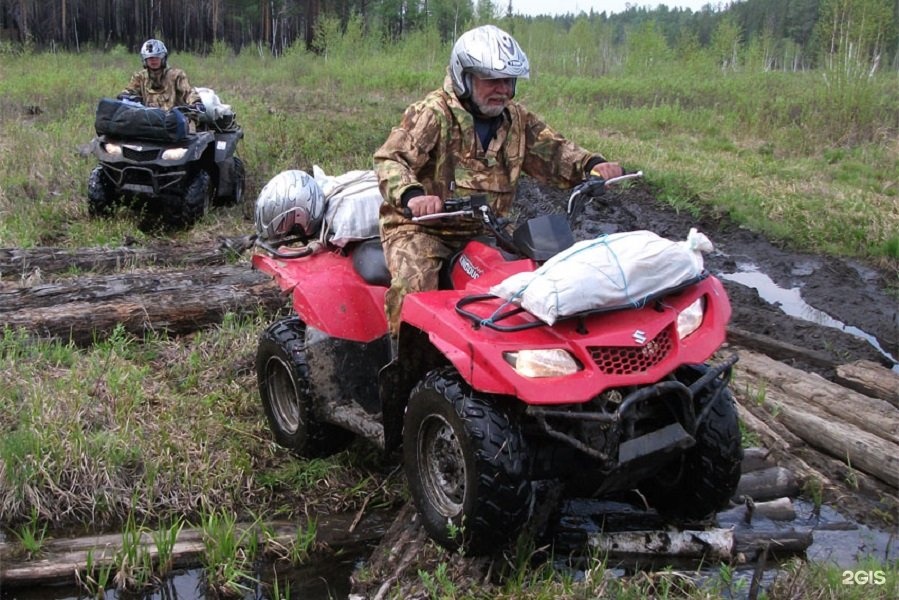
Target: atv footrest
(353, 417)
(666, 440)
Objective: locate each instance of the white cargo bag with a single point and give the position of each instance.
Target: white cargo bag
(352, 204)
(215, 109)
(611, 271)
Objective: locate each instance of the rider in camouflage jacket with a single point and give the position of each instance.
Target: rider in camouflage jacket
(158, 85)
(447, 146)
(164, 88)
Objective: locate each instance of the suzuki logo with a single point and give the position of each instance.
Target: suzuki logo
(639, 337)
(470, 269)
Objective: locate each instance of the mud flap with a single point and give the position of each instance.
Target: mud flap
(668, 440)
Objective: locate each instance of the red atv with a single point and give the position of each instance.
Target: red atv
(485, 399)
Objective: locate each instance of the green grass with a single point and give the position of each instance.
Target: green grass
(156, 428)
(808, 158)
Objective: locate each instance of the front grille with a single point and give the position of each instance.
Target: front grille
(140, 155)
(137, 176)
(625, 360)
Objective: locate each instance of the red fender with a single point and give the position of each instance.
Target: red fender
(477, 351)
(341, 304)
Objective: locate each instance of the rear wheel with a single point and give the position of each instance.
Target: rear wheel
(101, 195)
(238, 183)
(286, 392)
(706, 477)
(466, 464)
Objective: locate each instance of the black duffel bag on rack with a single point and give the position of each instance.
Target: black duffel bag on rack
(123, 119)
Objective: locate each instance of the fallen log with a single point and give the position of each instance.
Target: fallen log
(755, 459)
(860, 450)
(717, 545)
(63, 558)
(780, 543)
(20, 264)
(770, 437)
(813, 394)
(712, 544)
(175, 302)
(779, 509)
(871, 379)
(768, 484)
(858, 430)
(777, 349)
(860, 495)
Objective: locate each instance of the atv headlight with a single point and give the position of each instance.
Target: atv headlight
(554, 362)
(690, 318)
(174, 154)
(113, 149)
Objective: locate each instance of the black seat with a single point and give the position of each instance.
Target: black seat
(369, 262)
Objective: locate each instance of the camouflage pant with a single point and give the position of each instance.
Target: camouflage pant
(414, 259)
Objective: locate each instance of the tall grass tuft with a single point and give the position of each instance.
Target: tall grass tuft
(31, 536)
(133, 561)
(229, 553)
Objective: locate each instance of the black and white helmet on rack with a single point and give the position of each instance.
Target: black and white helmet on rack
(291, 203)
(488, 52)
(153, 49)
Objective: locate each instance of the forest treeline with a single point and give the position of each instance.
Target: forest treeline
(790, 34)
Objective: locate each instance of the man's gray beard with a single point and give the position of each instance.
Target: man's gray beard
(490, 111)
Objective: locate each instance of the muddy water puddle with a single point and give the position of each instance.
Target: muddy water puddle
(835, 540)
(791, 302)
(325, 579)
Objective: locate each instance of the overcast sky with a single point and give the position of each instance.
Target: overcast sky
(561, 7)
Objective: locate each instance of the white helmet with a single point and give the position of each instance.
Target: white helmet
(152, 49)
(488, 52)
(290, 203)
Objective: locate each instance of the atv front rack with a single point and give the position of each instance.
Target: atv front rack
(681, 397)
(508, 309)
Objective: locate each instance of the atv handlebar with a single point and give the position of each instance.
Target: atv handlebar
(591, 188)
(477, 206)
(469, 206)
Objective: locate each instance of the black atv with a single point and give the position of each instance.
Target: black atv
(170, 176)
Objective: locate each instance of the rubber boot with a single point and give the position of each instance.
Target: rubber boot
(394, 348)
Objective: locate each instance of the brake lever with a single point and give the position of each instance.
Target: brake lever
(442, 215)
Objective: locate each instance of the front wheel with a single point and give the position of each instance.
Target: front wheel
(466, 464)
(286, 392)
(196, 199)
(706, 477)
(101, 195)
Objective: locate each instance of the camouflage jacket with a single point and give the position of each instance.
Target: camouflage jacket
(167, 90)
(435, 148)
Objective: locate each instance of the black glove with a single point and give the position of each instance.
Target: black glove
(130, 98)
(594, 186)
